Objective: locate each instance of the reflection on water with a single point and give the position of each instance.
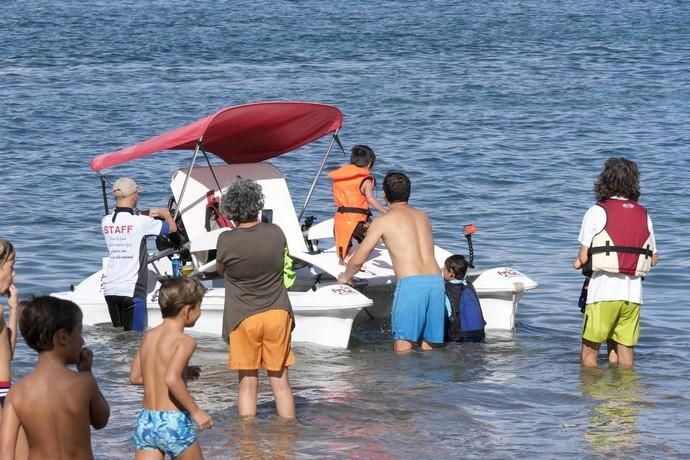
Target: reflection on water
(250, 440)
(613, 418)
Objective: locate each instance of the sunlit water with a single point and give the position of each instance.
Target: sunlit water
(502, 113)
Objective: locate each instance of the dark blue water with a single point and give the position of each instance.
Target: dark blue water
(501, 112)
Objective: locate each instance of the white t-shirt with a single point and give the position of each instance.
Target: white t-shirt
(610, 286)
(126, 240)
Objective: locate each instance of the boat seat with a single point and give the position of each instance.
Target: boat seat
(214, 218)
(202, 193)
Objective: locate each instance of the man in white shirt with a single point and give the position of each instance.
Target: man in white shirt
(125, 232)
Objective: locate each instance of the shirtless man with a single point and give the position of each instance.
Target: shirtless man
(419, 303)
(165, 425)
(54, 404)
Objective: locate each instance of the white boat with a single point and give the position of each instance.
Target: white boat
(244, 137)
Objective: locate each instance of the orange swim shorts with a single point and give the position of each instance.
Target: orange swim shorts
(262, 341)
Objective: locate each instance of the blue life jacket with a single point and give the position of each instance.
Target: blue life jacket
(466, 322)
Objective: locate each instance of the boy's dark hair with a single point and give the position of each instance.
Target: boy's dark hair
(176, 293)
(396, 187)
(362, 155)
(620, 177)
(41, 317)
(457, 265)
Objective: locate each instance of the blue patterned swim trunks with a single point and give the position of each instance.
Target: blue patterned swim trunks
(170, 432)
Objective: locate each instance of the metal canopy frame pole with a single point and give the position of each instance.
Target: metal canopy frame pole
(186, 179)
(105, 196)
(210, 166)
(323, 165)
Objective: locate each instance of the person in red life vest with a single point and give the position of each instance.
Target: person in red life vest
(353, 192)
(125, 232)
(617, 240)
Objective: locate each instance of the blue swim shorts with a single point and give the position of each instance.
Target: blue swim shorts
(419, 309)
(170, 432)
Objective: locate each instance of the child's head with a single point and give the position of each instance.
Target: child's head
(362, 155)
(46, 321)
(7, 257)
(455, 267)
(620, 177)
(181, 295)
(396, 187)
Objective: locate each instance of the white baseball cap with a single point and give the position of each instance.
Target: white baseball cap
(124, 187)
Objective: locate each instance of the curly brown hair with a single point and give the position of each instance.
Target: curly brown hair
(620, 177)
(242, 201)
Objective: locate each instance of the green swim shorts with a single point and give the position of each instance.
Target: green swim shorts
(618, 320)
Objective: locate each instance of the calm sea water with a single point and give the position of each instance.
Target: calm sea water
(501, 112)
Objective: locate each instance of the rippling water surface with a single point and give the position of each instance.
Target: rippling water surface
(501, 112)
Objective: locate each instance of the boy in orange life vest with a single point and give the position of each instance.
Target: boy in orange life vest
(353, 192)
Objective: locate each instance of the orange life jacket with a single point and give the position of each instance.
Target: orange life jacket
(352, 205)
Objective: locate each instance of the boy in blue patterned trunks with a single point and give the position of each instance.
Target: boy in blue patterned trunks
(419, 306)
(165, 426)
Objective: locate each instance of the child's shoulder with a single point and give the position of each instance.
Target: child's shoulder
(187, 340)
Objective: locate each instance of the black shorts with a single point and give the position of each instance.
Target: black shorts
(121, 309)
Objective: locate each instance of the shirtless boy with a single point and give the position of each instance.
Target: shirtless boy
(55, 405)
(165, 426)
(419, 303)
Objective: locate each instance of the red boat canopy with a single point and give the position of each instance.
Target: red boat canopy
(242, 134)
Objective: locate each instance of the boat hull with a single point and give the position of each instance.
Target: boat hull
(323, 316)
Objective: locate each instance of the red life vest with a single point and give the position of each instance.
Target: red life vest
(353, 206)
(624, 245)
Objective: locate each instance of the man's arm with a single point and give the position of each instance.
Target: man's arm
(220, 267)
(368, 190)
(374, 234)
(9, 429)
(165, 214)
(178, 387)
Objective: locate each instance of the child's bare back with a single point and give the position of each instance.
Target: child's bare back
(60, 428)
(158, 348)
(165, 426)
(55, 405)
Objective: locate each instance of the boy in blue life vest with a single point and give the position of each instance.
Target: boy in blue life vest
(464, 321)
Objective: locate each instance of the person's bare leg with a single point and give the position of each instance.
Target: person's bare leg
(148, 455)
(589, 353)
(280, 385)
(626, 356)
(426, 346)
(246, 397)
(402, 346)
(22, 450)
(612, 352)
(192, 452)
